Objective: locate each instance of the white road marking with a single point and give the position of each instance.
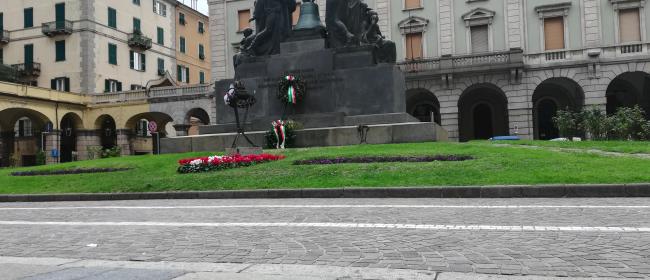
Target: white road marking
(340, 225)
(337, 206)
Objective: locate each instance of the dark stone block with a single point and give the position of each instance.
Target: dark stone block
(544, 191)
(288, 193)
(364, 192)
(322, 193)
(637, 190)
(431, 192)
(461, 192)
(214, 195)
(308, 45)
(596, 191)
(249, 194)
(356, 57)
(501, 191)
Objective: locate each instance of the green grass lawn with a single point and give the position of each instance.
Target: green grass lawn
(493, 165)
(632, 147)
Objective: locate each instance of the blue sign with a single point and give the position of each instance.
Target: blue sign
(54, 153)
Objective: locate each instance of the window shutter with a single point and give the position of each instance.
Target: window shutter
(480, 41)
(107, 85)
(136, 24)
(187, 76)
(161, 36)
(244, 16)
(412, 4)
(143, 63)
(629, 25)
(67, 84)
(119, 86)
(53, 83)
(29, 17)
(161, 64)
(164, 10)
(414, 46)
(201, 77)
(179, 74)
(554, 33)
(131, 62)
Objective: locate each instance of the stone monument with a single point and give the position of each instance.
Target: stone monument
(348, 68)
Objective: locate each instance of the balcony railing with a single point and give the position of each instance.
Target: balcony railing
(473, 62)
(139, 41)
(636, 48)
(153, 93)
(27, 69)
(552, 56)
(61, 27)
(4, 36)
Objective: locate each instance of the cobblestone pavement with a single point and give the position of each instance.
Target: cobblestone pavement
(567, 237)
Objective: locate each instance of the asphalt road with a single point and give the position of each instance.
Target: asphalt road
(326, 239)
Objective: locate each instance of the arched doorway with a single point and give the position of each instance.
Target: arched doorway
(70, 123)
(144, 140)
(483, 113)
(628, 90)
(423, 105)
(107, 131)
(22, 136)
(195, 118)
(550, 96)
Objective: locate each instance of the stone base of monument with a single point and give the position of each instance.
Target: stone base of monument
(244, 151)
(315, 137)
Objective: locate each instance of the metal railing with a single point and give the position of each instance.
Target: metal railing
(4, 36)
(32, 69)
(137, 40)
(57, 27)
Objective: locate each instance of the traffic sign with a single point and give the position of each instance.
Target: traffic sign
(153, 127)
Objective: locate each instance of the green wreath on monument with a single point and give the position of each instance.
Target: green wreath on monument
(291, 89)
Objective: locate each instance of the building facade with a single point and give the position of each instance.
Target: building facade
(482, 68)
(193, 52)
(89, 46)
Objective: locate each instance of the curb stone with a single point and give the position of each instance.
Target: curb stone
(514, 191)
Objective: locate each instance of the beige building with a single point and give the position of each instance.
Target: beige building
(89, 46)
(193, 51)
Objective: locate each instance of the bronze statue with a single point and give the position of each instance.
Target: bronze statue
(385, 49)
(273, 24)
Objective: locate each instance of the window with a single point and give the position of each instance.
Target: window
(201, 27)
(414, 46)
(183, 74)
(244, 17)
(296, 15)
(112, 86)
(181, 18)
(161, 66)
(138, 61)
(143, 128)
(554, 33)
(201, 52)
(201, 77)
(159, 8)
(2, 57)
(60, 84)
(29, 55)
(629, 25)
(2, 22)
(136, 2)
(136, 87)
(160, 38)
(412, 4)
(60, 50)
(182, 47)
(112, 54)
(136, 25)
(28, 15)
(23, 127)
(479, 39)
(112, 18)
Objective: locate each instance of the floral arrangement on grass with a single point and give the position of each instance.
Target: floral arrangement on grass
(67, 171)
(215, 163)
(380, 159)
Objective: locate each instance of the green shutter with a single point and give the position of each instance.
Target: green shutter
(201, 77)
(59, 15)
(143, 62)
(183, 44)
(112, 54)
(119, 86)
(181, 18)
(29, 55)
(131, 62)
(107, 85)
(112, 17)
(161, 64)
(161, 36)
(29, 17)
(179, 74)
(2, 22)
(53, 84)
(60, 50)
(67, 84)
(187, 71)
(136, 24)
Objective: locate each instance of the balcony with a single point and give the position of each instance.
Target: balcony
(139, 41)
(27, 70)
(494, 61)
(4, 37)
(54, 28)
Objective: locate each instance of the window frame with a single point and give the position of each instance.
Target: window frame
(182, 45)
(404, 8)
(28, 23)
(57, 51)
(112, 21)
(114, 59)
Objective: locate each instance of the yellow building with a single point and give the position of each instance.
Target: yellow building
(193, 41)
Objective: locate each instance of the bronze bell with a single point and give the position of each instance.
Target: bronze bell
(309, 16)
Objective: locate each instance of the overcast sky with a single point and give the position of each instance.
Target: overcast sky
(203, 5)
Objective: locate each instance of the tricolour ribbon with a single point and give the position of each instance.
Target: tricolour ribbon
(280, 134)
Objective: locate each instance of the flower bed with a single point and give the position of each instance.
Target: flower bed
(214, 163)
(341, 160)
(68, 171)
